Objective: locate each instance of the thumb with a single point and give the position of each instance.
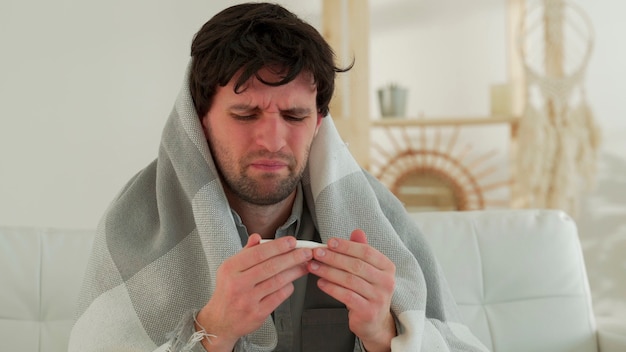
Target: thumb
(253, 240)
(359, 236)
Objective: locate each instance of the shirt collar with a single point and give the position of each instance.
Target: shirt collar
(296, 214)
(291, 225)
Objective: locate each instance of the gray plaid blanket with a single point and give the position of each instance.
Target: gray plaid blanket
(160, 242)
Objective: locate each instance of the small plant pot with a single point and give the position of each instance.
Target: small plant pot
(392, 101)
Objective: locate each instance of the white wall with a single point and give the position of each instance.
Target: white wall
(85, 89)
(447, 56)
(602, 222)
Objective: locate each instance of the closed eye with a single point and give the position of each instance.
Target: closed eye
(294, 118)
(296, 114)
(243, 117)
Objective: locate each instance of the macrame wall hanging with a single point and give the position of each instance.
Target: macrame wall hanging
(558, 139)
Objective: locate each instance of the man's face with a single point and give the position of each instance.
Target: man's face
(260, 138)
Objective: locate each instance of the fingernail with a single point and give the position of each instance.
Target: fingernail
(308, 254)
(320, 252)
(292, 242)
(333, 243)
(314, 266)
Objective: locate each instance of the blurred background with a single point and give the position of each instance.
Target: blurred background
(86, 86)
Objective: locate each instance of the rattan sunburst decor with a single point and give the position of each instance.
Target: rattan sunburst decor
(433, 171)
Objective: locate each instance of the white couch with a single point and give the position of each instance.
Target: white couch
(518, 277)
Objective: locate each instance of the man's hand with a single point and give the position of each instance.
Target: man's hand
(363, 279)
(249, 287)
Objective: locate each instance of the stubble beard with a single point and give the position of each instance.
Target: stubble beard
(267, 188)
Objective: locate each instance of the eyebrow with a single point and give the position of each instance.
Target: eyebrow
(297, 111)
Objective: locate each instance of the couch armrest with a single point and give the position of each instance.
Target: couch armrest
(611, 335)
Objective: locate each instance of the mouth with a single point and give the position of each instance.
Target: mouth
(269, 165)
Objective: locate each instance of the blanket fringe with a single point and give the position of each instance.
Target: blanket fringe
(181, 340)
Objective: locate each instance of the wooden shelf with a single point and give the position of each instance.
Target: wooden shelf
(444, 121)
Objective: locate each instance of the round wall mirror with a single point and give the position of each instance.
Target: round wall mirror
(429, 190)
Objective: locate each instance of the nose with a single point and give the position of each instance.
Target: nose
(271, 133)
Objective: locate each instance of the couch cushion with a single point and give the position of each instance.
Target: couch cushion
(41, 271)
(518, 277)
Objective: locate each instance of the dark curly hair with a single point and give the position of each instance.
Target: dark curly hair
(251, 36)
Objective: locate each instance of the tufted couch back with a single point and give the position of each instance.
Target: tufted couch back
(41, 272)
(518, 277)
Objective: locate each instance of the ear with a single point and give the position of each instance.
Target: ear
(205, 127)
(319, 123)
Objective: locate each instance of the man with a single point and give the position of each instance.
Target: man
(249, 154)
